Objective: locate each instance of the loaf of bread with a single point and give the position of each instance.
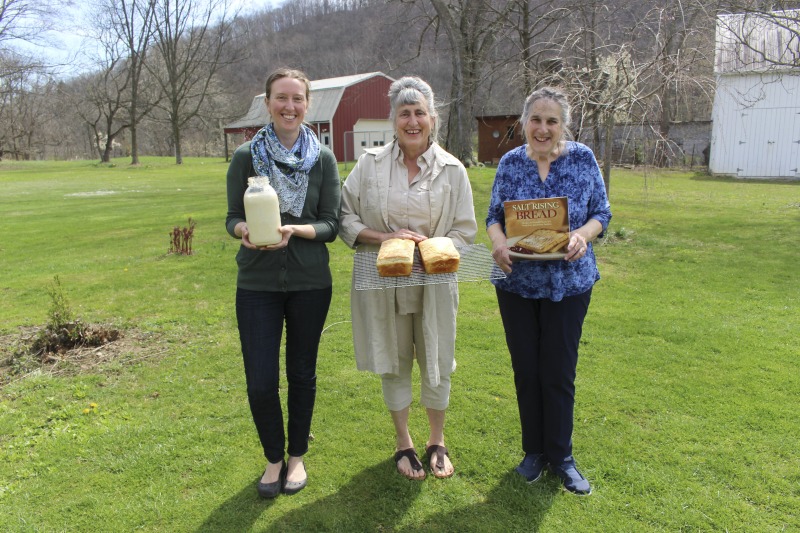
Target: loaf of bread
(543, 241)
(439, 255)
(395, 258)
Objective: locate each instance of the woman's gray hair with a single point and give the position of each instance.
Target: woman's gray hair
(410, 90)
(550, 93)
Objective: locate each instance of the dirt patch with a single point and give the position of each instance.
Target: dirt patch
(32, 351)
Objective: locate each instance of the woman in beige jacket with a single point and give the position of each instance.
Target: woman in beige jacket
(410, 189)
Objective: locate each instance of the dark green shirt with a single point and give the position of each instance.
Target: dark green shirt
(303, 264)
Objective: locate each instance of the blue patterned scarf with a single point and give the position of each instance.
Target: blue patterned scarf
(288, 173)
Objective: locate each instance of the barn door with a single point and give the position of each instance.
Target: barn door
(766, 148)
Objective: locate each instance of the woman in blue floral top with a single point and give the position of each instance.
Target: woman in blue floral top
(543, 303)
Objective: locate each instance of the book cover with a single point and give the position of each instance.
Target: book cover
(537, 229)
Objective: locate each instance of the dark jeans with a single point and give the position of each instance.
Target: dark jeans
(542, 338)
(261, 316)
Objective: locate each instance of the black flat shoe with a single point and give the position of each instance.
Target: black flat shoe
(271, 490)
(532, 466)
(293, 487)
(573, 481)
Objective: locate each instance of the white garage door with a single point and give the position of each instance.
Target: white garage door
(770, 143)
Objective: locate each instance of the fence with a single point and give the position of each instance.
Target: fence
(640, 144)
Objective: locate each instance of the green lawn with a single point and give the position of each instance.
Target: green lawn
(687, 390)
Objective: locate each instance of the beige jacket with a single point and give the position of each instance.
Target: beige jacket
(452, 214)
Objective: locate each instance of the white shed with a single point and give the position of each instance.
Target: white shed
(756, 112)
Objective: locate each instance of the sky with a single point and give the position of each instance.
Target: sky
(65, 48)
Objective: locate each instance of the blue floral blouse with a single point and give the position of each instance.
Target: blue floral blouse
(576, 175)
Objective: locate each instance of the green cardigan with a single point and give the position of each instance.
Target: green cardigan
(303, 264)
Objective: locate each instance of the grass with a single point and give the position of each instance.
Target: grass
(686, 393)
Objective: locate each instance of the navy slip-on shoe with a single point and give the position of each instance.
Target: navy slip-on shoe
(573, 480)
(531, 467)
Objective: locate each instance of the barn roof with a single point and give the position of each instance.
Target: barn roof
(757, 42)
(325, 97)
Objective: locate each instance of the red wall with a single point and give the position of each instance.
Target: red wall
(368, 99)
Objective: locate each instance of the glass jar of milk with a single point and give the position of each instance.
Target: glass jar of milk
(262, 212)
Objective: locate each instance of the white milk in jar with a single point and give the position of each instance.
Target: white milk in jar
(262, 212)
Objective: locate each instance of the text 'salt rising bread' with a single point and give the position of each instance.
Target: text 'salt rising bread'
(543, 241)
(439, 255)
(395, 258)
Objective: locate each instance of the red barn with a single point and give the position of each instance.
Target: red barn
(348, 113)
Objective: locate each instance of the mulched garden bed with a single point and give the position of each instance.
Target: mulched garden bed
(73, 349)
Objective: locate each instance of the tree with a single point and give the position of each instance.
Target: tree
(100, 99)
(607, 93)
(472, 28)
(638, 63)
(129, 25)
(532, 24)
(122, 34)
(26, 86)
(24, 93)
(26, 20)
(481, 57)
(25, 27)
(22, 22)
(676, 23)
(190, 37)
(589, 54)
(587, 45)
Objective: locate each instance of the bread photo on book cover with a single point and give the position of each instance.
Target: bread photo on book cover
(537, 229)
(543, 241)
(395, 258)
(439, 255)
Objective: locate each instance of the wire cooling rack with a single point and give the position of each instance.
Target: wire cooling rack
(476, 265)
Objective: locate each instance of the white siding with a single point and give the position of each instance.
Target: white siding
(757, 42)
(756, 125)
(369, 133)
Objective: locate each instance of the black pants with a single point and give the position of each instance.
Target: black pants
(542, 338)
(261, 317)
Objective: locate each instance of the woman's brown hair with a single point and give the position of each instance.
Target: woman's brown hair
(287, 73)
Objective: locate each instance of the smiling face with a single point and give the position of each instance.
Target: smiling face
(287, 104)
(544, 128)
(412, 125)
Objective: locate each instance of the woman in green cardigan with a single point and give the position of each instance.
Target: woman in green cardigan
(288, 282)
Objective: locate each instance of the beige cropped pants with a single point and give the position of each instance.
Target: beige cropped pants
(397, 387)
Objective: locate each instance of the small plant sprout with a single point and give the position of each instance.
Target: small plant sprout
(181, 239)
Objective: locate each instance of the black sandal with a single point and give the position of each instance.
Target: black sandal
(440, 452)
(413, 458)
